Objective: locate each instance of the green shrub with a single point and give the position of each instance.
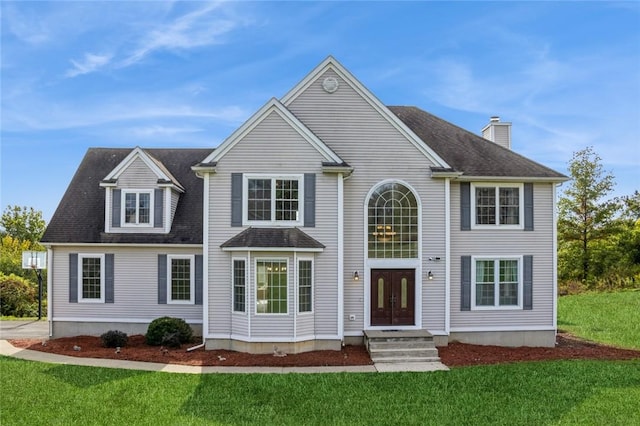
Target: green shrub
(161, 329)
(18, 296)
(114, 339)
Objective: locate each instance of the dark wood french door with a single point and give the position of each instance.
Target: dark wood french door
(393, 296)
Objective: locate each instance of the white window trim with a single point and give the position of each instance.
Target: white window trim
(123, 208)
(273, 221)
(497, 186)
(192, 279)
(255, 286)
(496, 288)
(82, 256)
(246, 286)
(303, 259)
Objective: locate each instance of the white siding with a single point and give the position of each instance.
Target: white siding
(272, 147)
(135, 286)
(138, 176)
(498, 242)
(365, 140)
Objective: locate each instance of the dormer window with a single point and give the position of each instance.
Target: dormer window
(137, 208)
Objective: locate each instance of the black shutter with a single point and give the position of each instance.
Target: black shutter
(310, 200)
(158, 208)
(73, 277)
(236, 199)
(108, 278)
(528, 206)
(465, 290)
(198, 275)
(527, 290)
(116, 199)
(162, 279)
(465, 206)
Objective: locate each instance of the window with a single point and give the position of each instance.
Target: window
(497, 283)
(273, 200)
(181, 279)
(305, 286)
(137, 207)
(393, 222)
(498, 205)
(91, 273)
(271, 286)
(239, 285)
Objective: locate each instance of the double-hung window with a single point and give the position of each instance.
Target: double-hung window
(272, 282)
(305, 285)
(497, 205)
(181, 279)
(239, 285)
(92, 274)
(273, 200)
(497, 283)
(137, 207)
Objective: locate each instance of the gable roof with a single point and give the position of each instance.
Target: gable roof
(156, 166)
(468, 153)
(330, 63)
(80, 215)
(273, 106)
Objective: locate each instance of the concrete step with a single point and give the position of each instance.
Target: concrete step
(413, 352)
(400, 360)
(374, 345)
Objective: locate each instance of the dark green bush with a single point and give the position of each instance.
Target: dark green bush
(161, 329)
(114, 339)
(18, 296)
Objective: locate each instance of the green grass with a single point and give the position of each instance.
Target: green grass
(560, 392)
(611, 318)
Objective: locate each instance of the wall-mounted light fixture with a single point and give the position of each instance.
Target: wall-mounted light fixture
(430, 275)
(356, 276)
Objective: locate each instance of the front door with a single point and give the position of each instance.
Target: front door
(393, 296)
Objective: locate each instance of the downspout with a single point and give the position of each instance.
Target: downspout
(205, 258)
(50, 290)
(341, 257)
(447, 255)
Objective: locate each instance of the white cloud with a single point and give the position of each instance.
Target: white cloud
(162, 131)
(90, 63)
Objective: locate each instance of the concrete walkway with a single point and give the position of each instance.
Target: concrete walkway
(24, 329)
(7, 349)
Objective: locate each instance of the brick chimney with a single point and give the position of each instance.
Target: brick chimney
(498, 132)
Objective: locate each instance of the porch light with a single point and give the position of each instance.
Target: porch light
(430, 276)
(356, 276)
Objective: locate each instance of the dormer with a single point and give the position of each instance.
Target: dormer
(141, 195)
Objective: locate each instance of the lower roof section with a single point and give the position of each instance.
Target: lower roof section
(273, 239)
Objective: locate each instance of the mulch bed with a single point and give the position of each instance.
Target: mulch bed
(454, 355)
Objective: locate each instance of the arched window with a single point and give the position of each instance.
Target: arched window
(392, 222)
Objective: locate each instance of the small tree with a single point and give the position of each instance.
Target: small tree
(585, 218)
(22, 223)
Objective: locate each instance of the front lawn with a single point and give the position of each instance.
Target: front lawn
(611, 318)
(559, 392)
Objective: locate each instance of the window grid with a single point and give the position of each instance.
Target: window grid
(497, 205)
(91, 278)
(305, 281)
(180, 279)
(239, 286)
(137, 208)
(271, 286)
(259, 199)
(393, 222)
(497, 282)
(286, 199)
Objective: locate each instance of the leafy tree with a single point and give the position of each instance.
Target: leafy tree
(22, 223)
(585, 217)
(18, 297)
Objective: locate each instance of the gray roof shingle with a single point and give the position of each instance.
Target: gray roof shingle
(273, 238)
(467, 152)
(79, 217)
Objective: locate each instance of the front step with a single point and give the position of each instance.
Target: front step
(401, 346)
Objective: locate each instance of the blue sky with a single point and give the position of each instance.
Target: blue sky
(186, 74)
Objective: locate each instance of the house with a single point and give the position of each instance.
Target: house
(324, 216)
